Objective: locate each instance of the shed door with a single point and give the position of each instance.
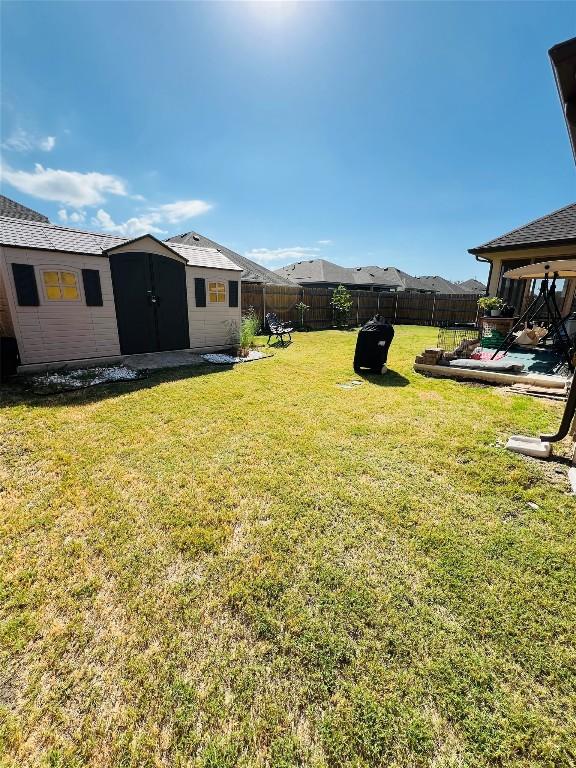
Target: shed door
(151, 304)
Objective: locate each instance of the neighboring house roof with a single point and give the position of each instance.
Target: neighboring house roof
(435, 284)
(251, 271)
(472, 285)
(322, 271)
(16, 210)
(556, 228)
(51, 237)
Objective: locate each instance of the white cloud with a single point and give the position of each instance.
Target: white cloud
(22, 141)
(76, 217)
(152, 220)
(324, 242)
(181, 210)
(47, 144)
(133, 227)
(69, 187)
(296, 253)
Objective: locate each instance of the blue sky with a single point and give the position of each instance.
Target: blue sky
(364, 133)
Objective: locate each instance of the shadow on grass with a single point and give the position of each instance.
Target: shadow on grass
(18, 393)
(280, 345)
(389, 379)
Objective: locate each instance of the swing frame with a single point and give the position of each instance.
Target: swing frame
(548, 272)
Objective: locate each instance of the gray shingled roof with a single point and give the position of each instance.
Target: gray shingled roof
(435, 284)
(16, 210)
(322, 271)
(472, 285)
(557, 228)
(51, 237)
(251, 271)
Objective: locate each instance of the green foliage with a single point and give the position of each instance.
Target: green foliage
(490, 302)
(249, 327)
(341, 303)
(301, 308)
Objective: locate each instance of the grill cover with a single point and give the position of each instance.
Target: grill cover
(372, 346)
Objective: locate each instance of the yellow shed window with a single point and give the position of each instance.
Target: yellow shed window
(60, 286)
(217, 293)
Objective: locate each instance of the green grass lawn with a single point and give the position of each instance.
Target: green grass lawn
(254, 567)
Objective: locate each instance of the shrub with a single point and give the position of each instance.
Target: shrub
(301, 308)
(341, 302)
(249, 327)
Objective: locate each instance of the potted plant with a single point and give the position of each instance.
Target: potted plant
(492, 305)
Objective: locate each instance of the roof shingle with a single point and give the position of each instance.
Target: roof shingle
(51, 237)
(556, 228)
(16, 210)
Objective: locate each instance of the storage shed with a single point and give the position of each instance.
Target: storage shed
(74, 297)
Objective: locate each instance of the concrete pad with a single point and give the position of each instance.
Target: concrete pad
(572, 479)
(529, 446)
(156, 360)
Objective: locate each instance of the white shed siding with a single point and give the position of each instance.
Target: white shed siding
(6, 327)
(215, 324)
(63, 330)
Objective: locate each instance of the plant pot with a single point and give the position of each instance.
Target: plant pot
(495, 312)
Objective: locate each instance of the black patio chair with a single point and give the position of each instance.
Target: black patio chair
(277, 328)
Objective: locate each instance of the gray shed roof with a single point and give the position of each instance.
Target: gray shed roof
(51, 237)
(16, 210)
(251, 271)
(556, 228)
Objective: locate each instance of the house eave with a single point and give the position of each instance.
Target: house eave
(563, 59)
(486, 250)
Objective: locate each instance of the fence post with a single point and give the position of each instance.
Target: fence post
(396, 306)
(378, 302)
(358, 308)
(263, 305)
(433, 309)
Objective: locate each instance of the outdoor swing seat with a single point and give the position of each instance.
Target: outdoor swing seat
(277, 328)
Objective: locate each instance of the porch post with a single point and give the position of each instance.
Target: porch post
(569, 296)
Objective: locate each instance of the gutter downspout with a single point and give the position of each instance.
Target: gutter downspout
(486, 261)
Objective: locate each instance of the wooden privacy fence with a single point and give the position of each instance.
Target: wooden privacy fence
(399, 308)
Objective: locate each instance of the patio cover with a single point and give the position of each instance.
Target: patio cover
(561, 268)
